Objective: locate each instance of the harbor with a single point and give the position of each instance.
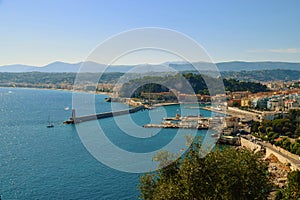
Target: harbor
(225, 128)
(187, 122)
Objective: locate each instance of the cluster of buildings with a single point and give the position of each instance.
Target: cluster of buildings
(263, 101)
(282, 85)
(266, 101)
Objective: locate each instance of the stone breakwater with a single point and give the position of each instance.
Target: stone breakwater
(78, 119)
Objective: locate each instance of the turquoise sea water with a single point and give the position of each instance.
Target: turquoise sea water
(41, 163)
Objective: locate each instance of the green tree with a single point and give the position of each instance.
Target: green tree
(272, 136)
(262, 131)
(235, 104)
(286, 144)
(297, 132)
(226, 174)
(254, 127)
(294, 147)
(292, 191)
(269, 129)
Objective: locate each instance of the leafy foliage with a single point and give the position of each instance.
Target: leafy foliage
(235, 85)
(53, 78)
(264, 75)
(181, 83)
(292, 191)
(226, 174)
(288, 126)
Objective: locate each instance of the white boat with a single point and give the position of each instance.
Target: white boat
(50, 124)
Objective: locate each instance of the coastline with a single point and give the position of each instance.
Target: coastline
(229, 111)
(55, 89)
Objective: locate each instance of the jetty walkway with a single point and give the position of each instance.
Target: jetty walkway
(78, 119)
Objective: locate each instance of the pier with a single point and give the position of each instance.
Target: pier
(187, 122)
(74, 119)
(171, 125)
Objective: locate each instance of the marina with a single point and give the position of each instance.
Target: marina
(224, 128)
(188, 122)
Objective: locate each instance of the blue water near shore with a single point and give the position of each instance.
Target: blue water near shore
(51, 163)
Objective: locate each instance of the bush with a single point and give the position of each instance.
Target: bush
(292, 191)
(226, 174)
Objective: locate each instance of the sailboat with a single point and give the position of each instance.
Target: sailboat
(50, 125)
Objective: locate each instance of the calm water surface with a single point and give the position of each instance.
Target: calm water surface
(41, 163)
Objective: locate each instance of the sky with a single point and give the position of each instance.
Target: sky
(37, 33)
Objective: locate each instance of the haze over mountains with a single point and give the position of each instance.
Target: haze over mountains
(177, 66)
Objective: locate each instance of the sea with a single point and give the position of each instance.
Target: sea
(37, 162)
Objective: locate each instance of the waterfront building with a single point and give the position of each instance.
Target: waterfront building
(240, 94)
(260, 103)
(231, 125)
(273, 104)
(245, 102)
(291, 104)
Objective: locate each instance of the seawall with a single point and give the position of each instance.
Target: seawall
(250, 145)
(282, 155)
(282, 158)
(103, 115)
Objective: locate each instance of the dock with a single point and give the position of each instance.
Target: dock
(74, 119)
(187, 122)
(186, 126)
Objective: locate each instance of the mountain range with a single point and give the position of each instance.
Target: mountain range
(89, 66)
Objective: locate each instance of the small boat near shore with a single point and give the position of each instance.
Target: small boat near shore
(108, 99)
(50, 124)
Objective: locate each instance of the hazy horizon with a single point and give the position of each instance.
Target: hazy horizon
(133, 64)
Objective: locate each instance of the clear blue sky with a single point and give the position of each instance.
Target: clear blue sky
(36, 32)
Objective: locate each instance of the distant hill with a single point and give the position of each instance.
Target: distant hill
(263, 75)
(60, 67)
(253, 66)
(17, 68)
(236, 66)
